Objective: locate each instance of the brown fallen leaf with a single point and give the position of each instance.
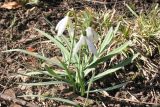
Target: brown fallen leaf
(31, 49)
(10, 93)
(15, 105)
(11, 5)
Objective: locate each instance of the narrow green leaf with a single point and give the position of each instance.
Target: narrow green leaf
(69, 74)
(117, 27)
(44, 72)
(56, 41)
(50, 61)
(36, 73)
(106, 73)
(106, 40)
(88, 70)
(48, 22)
(43, 83)
(119, 49)
(109, 55)
(115, 68)
(53, 98)
(55, 75)
(109, 88)
(68, 43)
(131, 10)
(50, 71)
(89, 86)
(127, 61)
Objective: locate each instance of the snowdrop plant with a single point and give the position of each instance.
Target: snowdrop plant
(81, 53)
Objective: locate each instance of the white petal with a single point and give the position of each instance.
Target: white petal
(91, 46)
(59, 23)
(91, 34)
(62, 25)
(81, 42)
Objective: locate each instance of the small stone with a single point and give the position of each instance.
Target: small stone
(9, 60)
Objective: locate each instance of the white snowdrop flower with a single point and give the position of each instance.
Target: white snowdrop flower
(79, 44)
(62, 24)
(91, 46)
(91, 34)
(82, 41)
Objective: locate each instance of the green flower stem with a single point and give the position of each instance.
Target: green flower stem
(72, 41)
(68, 72)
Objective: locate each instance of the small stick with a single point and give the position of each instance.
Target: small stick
(100, 2)
(128, 101)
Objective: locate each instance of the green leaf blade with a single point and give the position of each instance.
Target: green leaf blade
(109, 55)
(115, 68)
(54, 98)
(43, 83)
(106, 40)
(52, 62)
(56, 41)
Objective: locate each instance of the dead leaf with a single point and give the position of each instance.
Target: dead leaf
(10, 92)
(15, 105)
(31, 49)
(11, 5)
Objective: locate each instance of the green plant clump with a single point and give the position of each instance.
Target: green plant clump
(83, 49)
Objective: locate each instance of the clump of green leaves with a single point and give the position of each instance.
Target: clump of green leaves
(83, 49)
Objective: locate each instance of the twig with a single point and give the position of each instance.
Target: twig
(100, 2)
(128, 101)
(15, 100)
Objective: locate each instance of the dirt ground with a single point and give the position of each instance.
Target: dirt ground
(16, 31)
